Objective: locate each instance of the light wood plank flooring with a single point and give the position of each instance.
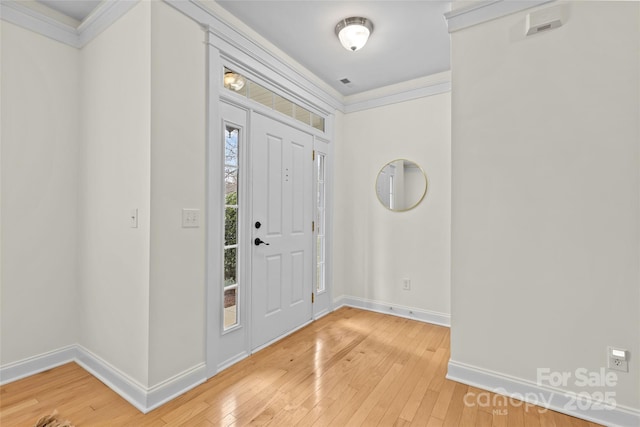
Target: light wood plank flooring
(350, 368)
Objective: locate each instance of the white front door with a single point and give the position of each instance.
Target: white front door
(282, 238)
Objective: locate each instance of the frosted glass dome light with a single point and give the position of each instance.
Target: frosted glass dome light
(354, 32)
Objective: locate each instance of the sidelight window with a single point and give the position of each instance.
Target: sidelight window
(231, 207)
(320, 222)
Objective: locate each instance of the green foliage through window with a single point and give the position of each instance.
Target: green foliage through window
(230, 238)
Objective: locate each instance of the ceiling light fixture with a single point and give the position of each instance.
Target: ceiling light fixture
(233, 81)
(354, 32)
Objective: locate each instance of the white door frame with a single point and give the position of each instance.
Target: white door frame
(232, 344)
(216, 60)
(227, 348)
(323, 300)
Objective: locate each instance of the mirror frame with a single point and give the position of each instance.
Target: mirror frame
(424, 193)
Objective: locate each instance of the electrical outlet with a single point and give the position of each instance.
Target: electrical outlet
(617, 359)
(406, 284)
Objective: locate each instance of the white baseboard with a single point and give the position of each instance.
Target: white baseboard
(321, 314)
(36, 364)
(232, 361)
(436, 318)
(128, 388)
(173, 387)
(145, 399)
(530, 392)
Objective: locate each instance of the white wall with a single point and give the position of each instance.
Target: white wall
(374, 248)
(115, 178)
(177, 269)
(139, 142)
(546, 194)
(40, 142)
(120, 125)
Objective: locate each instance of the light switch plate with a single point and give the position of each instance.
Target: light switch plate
(190, 218)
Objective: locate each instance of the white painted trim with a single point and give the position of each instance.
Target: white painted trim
(323, 304)
(322, 313)
(214, 219)
(128, 388)
(100, 19)
(36, 364)
(34, 19)
(527, 391)
(484, 11)
(237, 43)
(19, 14)
(427, 316)
(434, 89)
(173, 387)
(145, 399)
(233, 360)
(233, 44)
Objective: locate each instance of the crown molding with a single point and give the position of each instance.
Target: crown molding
(483, 11)
(20, 14)
(396, 98)
(401, 92)
(49, 23)
(236, 43)
(100, 19)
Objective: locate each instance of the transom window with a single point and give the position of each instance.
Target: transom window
(241, 85)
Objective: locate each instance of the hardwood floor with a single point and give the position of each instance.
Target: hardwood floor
(349, 368)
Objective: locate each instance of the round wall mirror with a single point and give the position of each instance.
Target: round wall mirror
(401, 185)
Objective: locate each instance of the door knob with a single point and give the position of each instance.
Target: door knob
(258, 241)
